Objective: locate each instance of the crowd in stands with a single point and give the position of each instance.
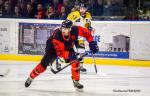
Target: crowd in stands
(59, 9)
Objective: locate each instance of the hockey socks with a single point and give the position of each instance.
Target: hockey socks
(37, 71)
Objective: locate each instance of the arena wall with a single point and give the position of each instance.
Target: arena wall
(120, 42)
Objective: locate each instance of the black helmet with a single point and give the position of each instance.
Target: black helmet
(83, 5)
(66, 24)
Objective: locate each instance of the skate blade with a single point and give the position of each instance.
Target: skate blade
(79, 90)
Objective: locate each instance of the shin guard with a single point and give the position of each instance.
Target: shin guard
(37, 71)
(75, 70)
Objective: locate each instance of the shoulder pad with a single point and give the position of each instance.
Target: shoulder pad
(88, 15)
(73, 15)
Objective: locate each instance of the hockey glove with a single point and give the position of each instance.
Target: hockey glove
(93, 47)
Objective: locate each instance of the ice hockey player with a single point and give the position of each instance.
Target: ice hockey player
(60, 44)
(81, 17)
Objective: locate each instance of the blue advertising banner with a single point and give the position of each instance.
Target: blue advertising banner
(102, 54)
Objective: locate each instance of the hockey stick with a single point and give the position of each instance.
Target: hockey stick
(4, 74)
(56, 71)
(94, 63)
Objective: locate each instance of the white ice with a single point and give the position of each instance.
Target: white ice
(110, 81)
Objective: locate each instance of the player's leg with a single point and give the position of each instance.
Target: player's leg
(80, 48)
(75, 69)
(82, 69)
(40, 68)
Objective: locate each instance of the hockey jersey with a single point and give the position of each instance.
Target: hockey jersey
(78, 20)
(64, 46)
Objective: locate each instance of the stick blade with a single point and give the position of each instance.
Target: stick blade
(53, 71)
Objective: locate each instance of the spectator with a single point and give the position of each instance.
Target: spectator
(7, 13)
(13, 3)
(50, 13)
(40, 12)
(22, 5)
(63, 14)
(66, 5)
(107, 8)
(45, 2)
(30, 13)
(89, 3)
(34, 4)
(71, 4)
(117, 8)
(1, 7)
(98, 8)
(57, 6)
(17, 13)
(76, 6)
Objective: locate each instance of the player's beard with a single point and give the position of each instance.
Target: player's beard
(82, 12)
(65, 33)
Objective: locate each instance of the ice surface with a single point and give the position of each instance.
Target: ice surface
(110, 81)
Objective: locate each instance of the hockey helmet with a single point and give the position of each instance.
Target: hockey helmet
(67, 24)
(82, 5)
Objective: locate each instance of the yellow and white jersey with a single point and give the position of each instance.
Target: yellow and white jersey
(78, 20)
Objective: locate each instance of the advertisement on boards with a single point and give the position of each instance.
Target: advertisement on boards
(140, 43)
(4, 37)
(113, 39)
(33, 36)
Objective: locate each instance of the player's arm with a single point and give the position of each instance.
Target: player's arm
(87, 34)
(73, 16)
(88, 20)
(84, 32)
(70, 17)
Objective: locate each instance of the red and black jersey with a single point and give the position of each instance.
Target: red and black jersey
(64, 45)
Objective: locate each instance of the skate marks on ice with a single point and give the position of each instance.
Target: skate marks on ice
(5, 73)
(64, 87)
(49, 84)
(56, 92)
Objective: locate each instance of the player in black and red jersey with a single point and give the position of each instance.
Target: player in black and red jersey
(60, 45)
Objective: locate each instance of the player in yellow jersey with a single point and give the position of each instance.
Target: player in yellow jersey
(79, 17)
(82, 18)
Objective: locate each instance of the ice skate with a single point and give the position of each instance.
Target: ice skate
(77, 84)
(28, 82)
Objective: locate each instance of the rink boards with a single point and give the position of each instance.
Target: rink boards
(124, 43)
(87, 60)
